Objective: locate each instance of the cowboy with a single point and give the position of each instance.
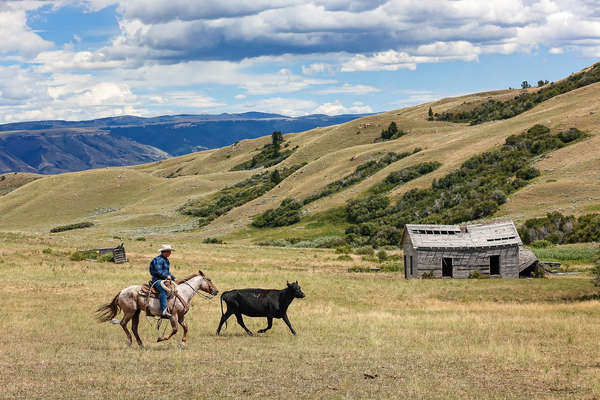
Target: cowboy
(159, 269)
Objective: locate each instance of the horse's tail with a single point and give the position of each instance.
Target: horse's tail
(108, 311)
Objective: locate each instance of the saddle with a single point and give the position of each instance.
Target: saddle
(145, 289)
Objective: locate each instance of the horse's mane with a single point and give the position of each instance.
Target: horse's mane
(180, 281)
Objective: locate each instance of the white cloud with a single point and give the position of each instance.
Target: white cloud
(390, 60)
(337, 108)
(185, 99)
(318, 68)
(347, 88)
(556, 50)
(16, 36)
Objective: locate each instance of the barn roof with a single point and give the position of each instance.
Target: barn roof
(498, 234)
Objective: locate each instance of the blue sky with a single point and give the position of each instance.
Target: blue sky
(94, 58)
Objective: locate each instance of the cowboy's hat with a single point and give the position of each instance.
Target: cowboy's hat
(165, 247)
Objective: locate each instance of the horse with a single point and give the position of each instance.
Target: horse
(131, 302)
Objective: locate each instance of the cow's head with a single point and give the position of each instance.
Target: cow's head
(295, 288)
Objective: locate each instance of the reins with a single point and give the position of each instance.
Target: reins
(209, 297)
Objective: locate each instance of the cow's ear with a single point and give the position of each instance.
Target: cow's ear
(287, 282)
(296, 282)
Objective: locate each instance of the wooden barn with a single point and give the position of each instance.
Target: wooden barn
(452, 251)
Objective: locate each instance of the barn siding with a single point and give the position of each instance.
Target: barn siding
(464, 261)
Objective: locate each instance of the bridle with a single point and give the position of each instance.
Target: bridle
(207, 297)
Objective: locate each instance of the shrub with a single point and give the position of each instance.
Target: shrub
(344, 257)
(361, 172)
(47, 251)
(63, 228)
(343, 249)
(561, 229)
(541, 244)
(275, 243)
(140, 239)
(208, 209)
(365, 250)
(270, 155)
(596, 269)
(382, 255)
(475, 275)
(404, 175)
(288, 213)
(427, 275)
(91, 255)
(212, 240)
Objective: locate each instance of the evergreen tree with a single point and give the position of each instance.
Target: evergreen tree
(430, 113)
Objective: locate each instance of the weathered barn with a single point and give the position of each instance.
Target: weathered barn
(452, 251)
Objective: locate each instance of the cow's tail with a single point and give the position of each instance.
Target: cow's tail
(222, 313)
(108, 311)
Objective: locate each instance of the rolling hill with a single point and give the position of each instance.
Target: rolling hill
(50, 147)
(146, 199)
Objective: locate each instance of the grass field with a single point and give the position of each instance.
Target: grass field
(436, 339)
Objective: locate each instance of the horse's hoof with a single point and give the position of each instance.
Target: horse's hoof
(182, 346)
(159, 340)
(128, 343)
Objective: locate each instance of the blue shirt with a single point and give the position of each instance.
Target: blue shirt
(159, 268)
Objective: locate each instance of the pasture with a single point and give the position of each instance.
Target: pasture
(360, 335)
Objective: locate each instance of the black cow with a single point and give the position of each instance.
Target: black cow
(268, 303)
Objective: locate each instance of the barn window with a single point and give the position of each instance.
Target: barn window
(447, 267)
(494, 265)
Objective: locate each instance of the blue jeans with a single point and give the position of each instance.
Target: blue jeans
(162, 294)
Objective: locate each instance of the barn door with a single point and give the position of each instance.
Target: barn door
(447, 267)
(494, 265)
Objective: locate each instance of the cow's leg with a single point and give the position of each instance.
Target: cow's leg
(224, 318)
(288, 323)
(123, 323)
(173, 321)
(185, 331)
(269, 325)
(134, 327)
(240, 321)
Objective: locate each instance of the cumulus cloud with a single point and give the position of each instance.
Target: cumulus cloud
(347, 88)
(16, 36)
(336, 108)
(179, 30)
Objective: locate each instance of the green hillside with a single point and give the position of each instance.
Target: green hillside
(219, 193)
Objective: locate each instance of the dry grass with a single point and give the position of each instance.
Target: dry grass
(493, 339)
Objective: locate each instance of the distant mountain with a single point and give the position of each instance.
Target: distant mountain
(51, 147)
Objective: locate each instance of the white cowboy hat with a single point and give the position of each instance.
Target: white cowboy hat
(165, 247)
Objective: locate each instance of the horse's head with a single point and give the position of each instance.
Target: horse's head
(207, 285)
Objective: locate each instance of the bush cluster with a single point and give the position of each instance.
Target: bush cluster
(236, 195)
(392, 132)
(476, 190)
(323, 242)
(270, 155)
(556, 228)
(362, 172)
(91, 255)
(495, 110)
(212, 240)
(398, 178)
(63, 228)
(288, 213)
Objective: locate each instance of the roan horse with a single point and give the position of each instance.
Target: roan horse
(131, 302)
